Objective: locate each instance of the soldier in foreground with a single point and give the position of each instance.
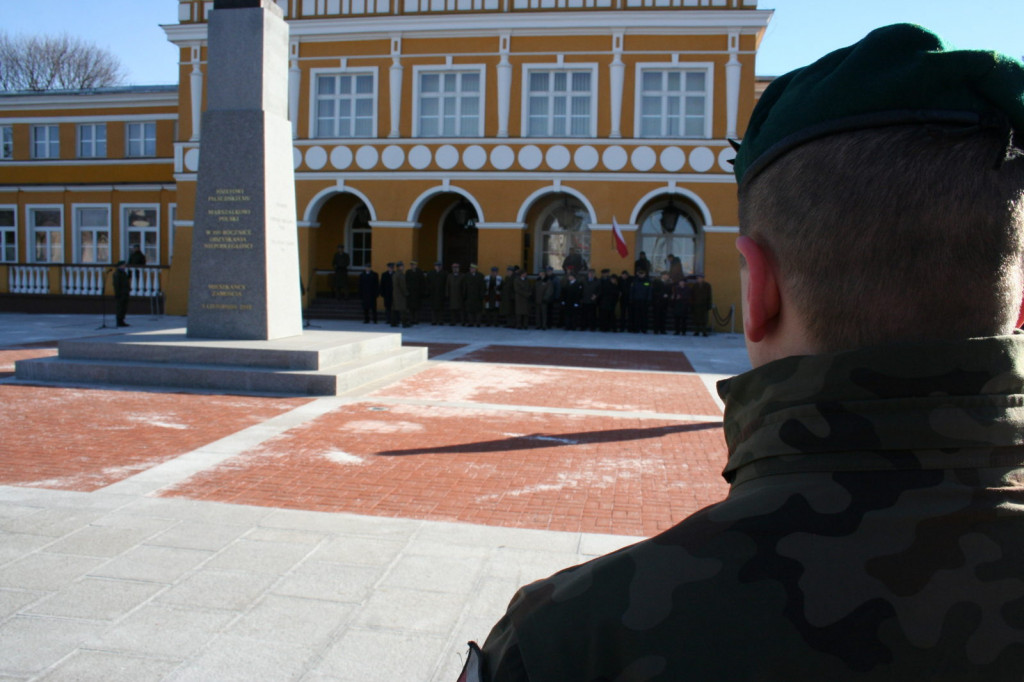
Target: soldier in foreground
(874, 529)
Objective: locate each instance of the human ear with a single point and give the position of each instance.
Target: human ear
(761, 299)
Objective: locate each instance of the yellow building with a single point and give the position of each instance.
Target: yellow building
(491, 131)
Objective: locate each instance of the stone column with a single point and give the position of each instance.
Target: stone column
(244, 280)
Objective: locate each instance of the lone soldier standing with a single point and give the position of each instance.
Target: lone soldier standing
(122, 280)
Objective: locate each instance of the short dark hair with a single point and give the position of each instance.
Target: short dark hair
(904, 233)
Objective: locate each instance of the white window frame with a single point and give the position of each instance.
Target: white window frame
(316, 74)
(94, 148)
(9, 235)
(446, 69)
(152, 256)
(682, 67)
(53, 246)
(6, 143)
(79, 229)
(50, 142)
(140, 139)
(565, 67)
(172, 218)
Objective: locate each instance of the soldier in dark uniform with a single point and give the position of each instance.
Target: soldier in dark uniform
(523, 289)
(369, 288)
(122, 280)
(416, 286)
(874, 529)
(607, 299)
(572, 300)
(492, 297)
(508, 297)
(639, 302)
(701, 300)
(340, 263)
(473, 289)
(437, 283)
(400, 297)
(136, 258)
(455, 293)
(591, 290)
(387, 290)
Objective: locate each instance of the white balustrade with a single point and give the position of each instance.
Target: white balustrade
(145, 281)
(28, 279)
(82, 280)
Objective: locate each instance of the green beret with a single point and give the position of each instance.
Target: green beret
(899, 74)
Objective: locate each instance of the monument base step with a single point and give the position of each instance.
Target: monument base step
(314, 363)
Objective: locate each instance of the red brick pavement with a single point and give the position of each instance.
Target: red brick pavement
(557, 387)
(9, 357)
(84, 439)
(497, 467)
(434, 446)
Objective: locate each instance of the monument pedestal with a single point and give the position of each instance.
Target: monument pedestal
(316, 363)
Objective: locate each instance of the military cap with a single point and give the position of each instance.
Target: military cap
(120, 263)
(899, 74)
(437, 262)
(494, 268)
(391, 265)
(472, 265)
(400, 264)
(412, 263)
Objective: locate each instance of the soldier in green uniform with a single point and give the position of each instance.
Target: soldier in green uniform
(874, 528)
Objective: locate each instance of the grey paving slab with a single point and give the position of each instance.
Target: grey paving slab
(163, 630)
(197, 535)
(336, 582)
(95, 599)
(42, 571)
(238, 659)
(103, 666)
(232, 591)
(99, 541)
(259, 556)
(32, 644)
(153, 564)
(376, 655)
(293, 620)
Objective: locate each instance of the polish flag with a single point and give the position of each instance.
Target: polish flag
(620, 242)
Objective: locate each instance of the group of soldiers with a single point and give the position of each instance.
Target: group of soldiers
(586, 301)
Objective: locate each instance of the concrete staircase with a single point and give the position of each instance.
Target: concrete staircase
(315, 363)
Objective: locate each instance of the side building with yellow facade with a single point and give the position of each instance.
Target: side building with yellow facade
(498, 132)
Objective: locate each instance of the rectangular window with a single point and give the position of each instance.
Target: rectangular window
(92, 229)
(142, 139)
(46, 232)
(674, 103)
(6, 143)
(8, 234)
(449, 104)
(560, 103)
(345, 105)
(46, 142)
(142, 229)
(92, 140)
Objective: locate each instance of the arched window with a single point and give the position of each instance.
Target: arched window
(361, 236)
(676, 230)
(564, 233)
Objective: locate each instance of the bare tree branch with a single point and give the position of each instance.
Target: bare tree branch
(61, 62)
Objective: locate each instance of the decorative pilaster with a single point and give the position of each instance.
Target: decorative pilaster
(504, 84)
(617, 76)
(294, 87)
(733, 70)
(195, 80)
(395, 83)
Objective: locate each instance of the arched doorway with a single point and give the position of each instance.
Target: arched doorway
(562, 229)
(459, 234)
(344, 220)
(672, 227)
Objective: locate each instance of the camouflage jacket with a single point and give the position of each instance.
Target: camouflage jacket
(874, 530)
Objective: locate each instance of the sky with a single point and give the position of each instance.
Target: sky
(800, 32)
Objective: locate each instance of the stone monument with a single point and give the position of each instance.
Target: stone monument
(244, 281)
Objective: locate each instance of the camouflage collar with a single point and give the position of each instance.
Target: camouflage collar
(928, 406)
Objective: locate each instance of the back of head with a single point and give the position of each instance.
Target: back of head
(900, 218)
(895, 234)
